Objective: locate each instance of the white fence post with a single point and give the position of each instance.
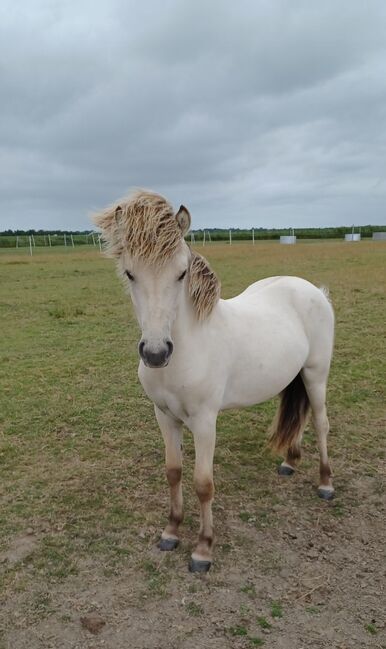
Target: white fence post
(49, 240)
(30, 246)
(230, 237)
(72, 241)
(253, 236)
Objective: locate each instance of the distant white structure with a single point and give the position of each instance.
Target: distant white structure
(354, 236)
(289, 238)
(379, 236)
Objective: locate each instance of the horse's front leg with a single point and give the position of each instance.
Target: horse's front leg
(204, 433)
(171, 430)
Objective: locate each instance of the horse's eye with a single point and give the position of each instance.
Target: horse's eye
(181, 277)
(129, 275)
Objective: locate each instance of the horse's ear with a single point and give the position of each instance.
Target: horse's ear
(183, 219)
(109, 221)
(117, 214)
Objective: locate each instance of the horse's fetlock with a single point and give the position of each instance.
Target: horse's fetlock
(325, 473)
(293, 453)
(176, 518)
(206, 539)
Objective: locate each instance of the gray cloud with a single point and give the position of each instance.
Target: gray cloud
(256, 113)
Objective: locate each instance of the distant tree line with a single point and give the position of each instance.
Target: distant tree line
(15, 238)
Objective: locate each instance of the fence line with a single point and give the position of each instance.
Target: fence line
(202, 237)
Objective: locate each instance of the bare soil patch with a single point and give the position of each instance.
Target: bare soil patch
(315, 577)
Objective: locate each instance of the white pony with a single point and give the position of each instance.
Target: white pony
(201, 354)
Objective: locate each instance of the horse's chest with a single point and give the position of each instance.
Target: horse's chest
(169, 398)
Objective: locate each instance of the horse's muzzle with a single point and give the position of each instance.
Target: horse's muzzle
(155, 357)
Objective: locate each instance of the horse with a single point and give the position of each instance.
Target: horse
(200, 354)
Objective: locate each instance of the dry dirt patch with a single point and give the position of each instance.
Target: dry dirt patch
(312, 579)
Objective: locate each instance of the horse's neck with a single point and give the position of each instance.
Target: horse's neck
(187, 325)
(185, 320)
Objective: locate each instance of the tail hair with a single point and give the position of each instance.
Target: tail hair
(326, 292)
(291, 417)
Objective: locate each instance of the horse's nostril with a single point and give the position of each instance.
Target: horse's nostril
(170, 347)
(141, 347)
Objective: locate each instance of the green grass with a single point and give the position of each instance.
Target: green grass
(81, 456)
(238, 631)
(194, 609)
(371, 628)
(276, 609)
(249, 589)
(263, 623)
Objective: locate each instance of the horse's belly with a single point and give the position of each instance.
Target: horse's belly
(262, 370)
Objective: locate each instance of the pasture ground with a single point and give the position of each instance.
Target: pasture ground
(82, 490)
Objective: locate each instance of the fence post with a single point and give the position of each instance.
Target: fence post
(203, 240)
(253, 236)
(30, 245)
(72, 241)
(230, 237)
(49, 240)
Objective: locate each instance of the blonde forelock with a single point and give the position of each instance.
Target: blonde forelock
(142, 224)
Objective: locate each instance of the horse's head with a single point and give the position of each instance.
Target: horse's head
(156, 290)
(147, 239)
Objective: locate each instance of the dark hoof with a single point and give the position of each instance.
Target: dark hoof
(283, 469)
(325, 494)
(166, 545)
(199, 566)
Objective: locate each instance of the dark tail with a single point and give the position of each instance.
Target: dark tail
(291, 417)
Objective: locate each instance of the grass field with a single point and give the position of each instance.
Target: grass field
(82, 489)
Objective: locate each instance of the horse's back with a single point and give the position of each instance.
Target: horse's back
(288, 285)
(289, 298)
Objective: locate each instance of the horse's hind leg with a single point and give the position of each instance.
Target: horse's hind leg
(316, 390)
(171, 430)
(293, 455)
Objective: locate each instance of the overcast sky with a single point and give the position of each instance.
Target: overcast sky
(263, 113)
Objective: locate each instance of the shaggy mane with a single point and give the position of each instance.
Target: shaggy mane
(204, 286)
(143, 224)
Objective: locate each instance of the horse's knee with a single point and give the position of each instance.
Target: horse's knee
(204, 489)
(173, 476)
